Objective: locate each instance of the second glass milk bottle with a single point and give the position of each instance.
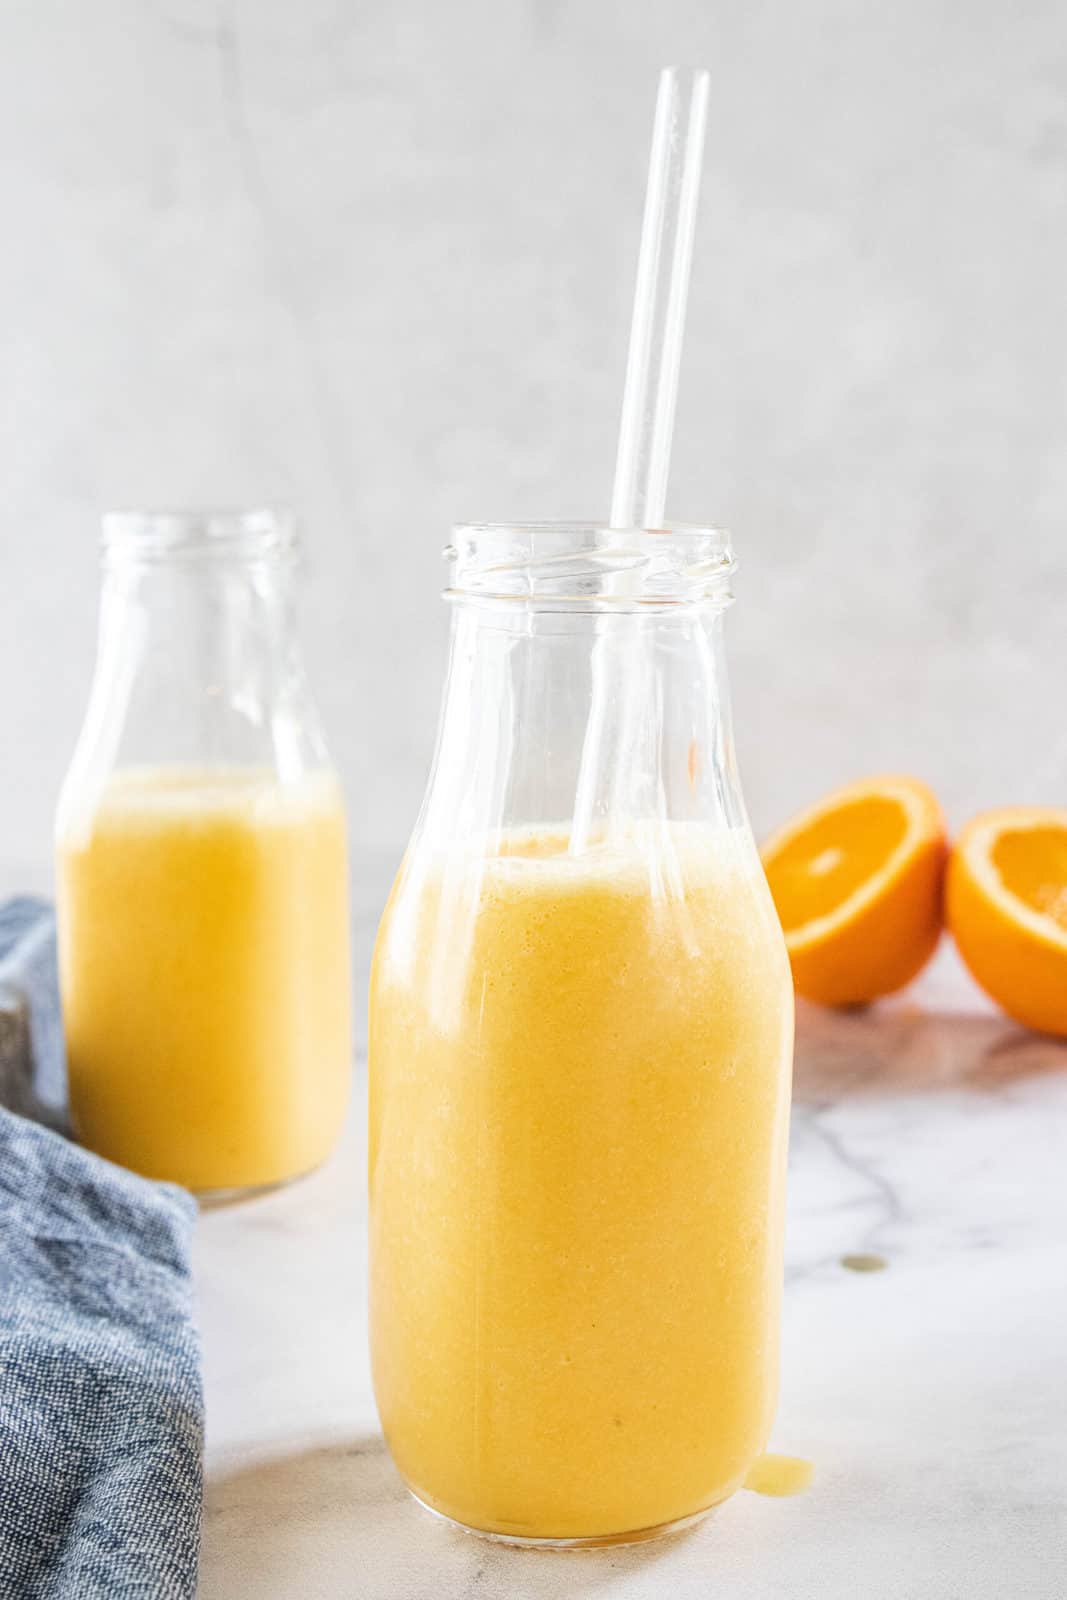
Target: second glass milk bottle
(201, 865)
(580, 1052)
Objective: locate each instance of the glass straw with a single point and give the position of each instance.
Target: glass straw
(646, 429)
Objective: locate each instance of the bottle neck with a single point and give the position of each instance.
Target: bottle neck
(609, 721)
(212, 639)
(197, 668)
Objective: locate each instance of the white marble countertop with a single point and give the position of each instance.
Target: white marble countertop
(932, 1395)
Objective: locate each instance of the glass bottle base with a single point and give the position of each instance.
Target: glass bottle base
(600, 1541)
(215, 1199)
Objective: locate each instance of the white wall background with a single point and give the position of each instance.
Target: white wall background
(375, 258)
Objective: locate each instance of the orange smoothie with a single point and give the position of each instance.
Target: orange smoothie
(203, 935)
(579, 1084)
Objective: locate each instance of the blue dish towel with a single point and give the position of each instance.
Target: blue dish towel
(101, 1404)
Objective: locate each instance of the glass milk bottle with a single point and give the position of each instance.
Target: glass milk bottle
(580, 1052)
(202, 881)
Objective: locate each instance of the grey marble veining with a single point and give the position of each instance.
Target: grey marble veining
(932, 1395)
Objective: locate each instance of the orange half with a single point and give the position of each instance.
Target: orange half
(1006, 902)
(857, 881)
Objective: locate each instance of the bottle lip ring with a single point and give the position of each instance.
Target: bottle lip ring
(591, 566)
(258, 533)
(579, 527)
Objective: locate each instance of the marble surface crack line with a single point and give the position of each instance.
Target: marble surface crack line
(881, 1189)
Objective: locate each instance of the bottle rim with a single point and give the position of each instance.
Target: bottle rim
(260, 533)
(590, 566)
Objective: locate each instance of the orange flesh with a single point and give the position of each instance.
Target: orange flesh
(1032, 864)
(832, 857)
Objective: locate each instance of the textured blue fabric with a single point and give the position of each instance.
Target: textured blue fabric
(101, 1408)
(33, 1078)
